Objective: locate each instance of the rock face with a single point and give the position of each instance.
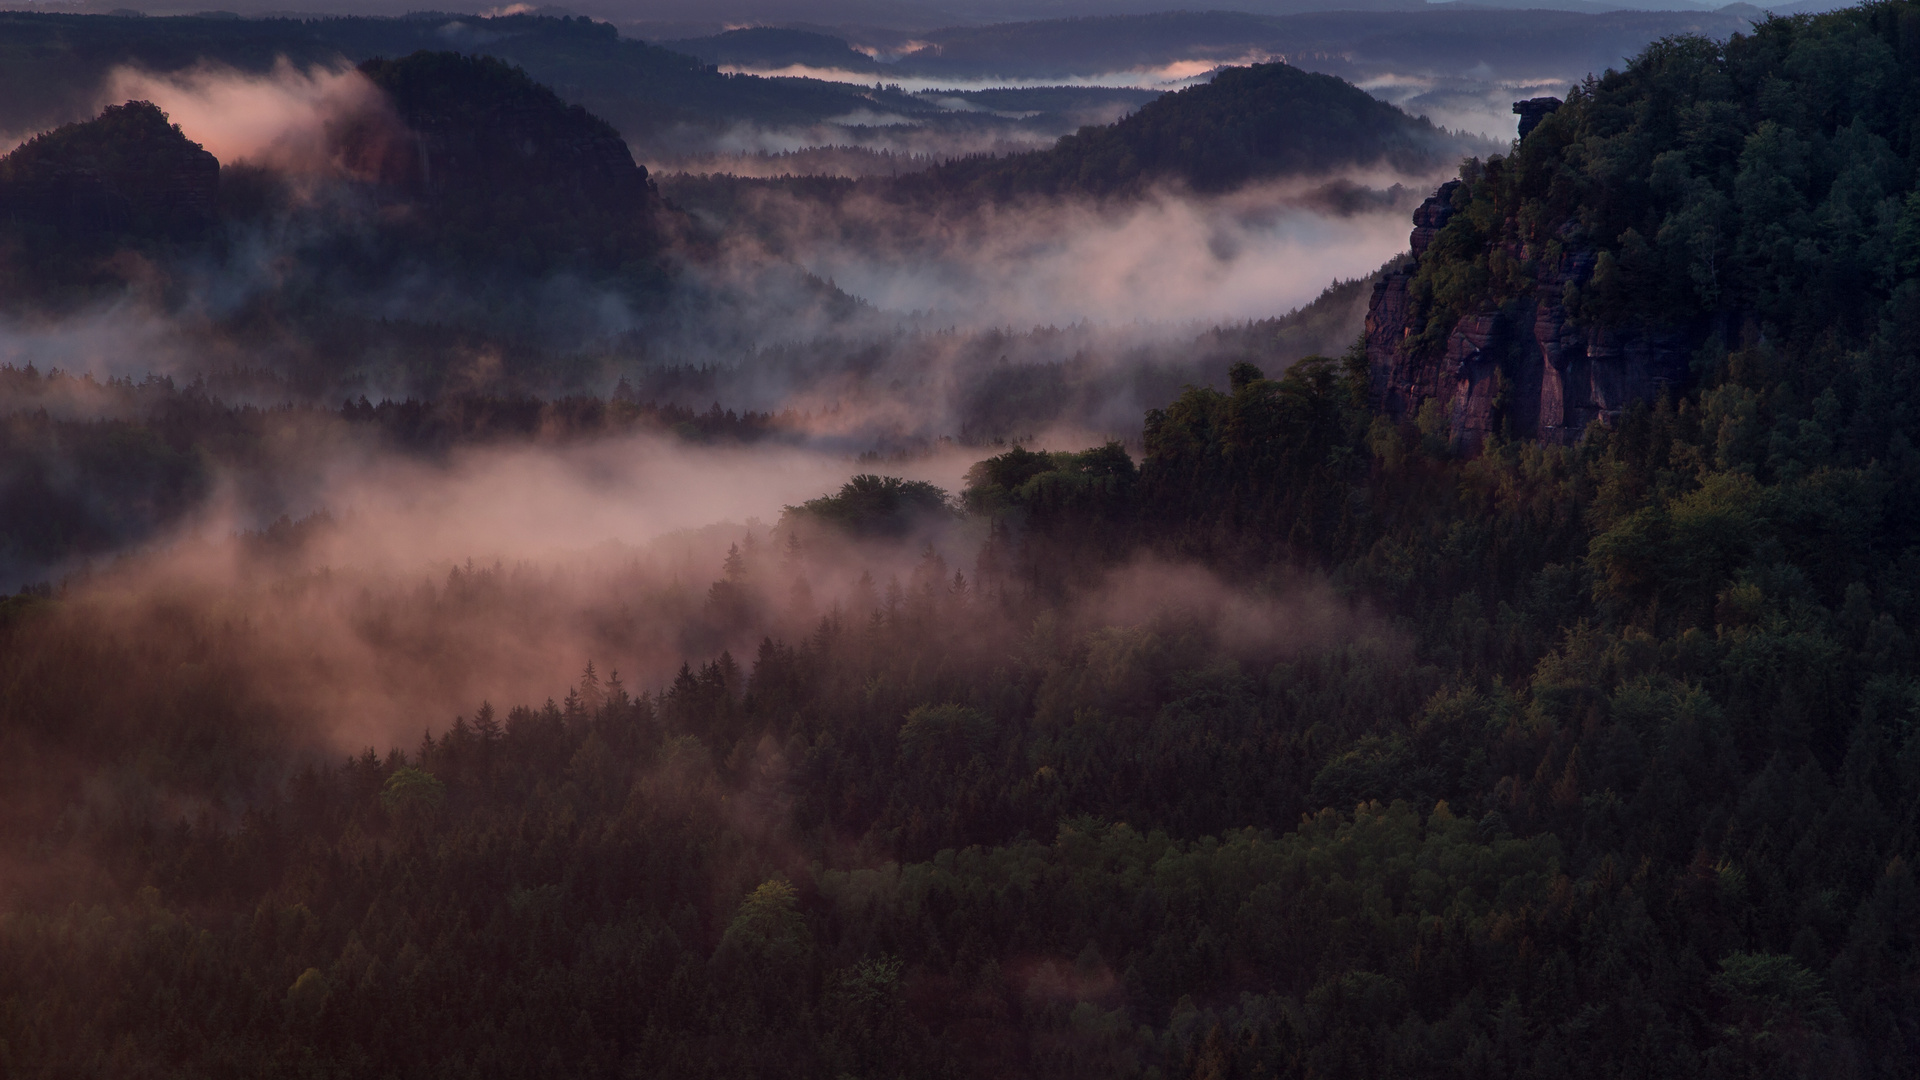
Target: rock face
(1522, 368)
(1534, 110)
(129, 170)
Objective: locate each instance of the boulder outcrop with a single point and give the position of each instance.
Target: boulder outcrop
(1534, 110)
(1522, 367)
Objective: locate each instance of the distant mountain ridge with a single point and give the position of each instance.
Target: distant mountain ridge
(1439, 39)
(51, 66)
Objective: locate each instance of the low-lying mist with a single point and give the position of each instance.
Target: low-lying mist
(393, 587)
(281, 118)
(877, 323)
(411, 590)
(387, 583)
(1169, 257)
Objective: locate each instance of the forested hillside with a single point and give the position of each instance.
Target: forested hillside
(1244, 124)
(1306, 741)
(1745, 218)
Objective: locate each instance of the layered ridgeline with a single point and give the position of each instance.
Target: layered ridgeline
(489, 161)
(53, 65)
(1734, 226)
(449, 192)
(1243, 125)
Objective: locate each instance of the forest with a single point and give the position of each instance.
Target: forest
(1287, 739)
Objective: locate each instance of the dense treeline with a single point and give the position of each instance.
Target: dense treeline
(91, 466)
(1767, 180)
(1594, 832)
(1596, 760)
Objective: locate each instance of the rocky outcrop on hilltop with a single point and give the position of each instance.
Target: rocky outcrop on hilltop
(1534, 110)
(1522, 365)
(127, 171)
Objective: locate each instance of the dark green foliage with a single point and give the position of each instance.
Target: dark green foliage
(1766, 179)
(1603, 760)
(869, 505)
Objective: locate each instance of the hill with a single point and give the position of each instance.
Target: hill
(126, 172)
(51, 65)
(433, 224)
(774, 48)
(1707, 201)
(1439, 40)
(1245, 124)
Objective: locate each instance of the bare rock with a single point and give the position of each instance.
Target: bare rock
(1534, 110)
(1524, 368)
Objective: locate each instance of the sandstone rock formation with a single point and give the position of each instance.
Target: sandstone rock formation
(1534, 110)
(129, 170)
(1523, 368)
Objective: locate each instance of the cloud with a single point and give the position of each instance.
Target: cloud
(1277, 619)
(1168, 257)
(1169, 76)
(278, 118)
(419, 586)
(1474, 102)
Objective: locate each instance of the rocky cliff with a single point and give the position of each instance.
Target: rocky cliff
(1519, 365)
(127, 171)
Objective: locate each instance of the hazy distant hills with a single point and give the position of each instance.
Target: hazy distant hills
(428, 227)
(1416, 38)
(696, 18)
(773, 48)
(1243, 125)
(669, 98)
(51, 65)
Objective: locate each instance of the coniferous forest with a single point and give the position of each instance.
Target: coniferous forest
(1280, 735)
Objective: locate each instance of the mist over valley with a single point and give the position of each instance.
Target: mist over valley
(873, 539)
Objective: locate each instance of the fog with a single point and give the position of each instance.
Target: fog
(279, 119)
(1474, 102)
(603, 552)
(1169, 257)
(386, 587)
(884, 324)
(1172, 76)
(417, 590)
